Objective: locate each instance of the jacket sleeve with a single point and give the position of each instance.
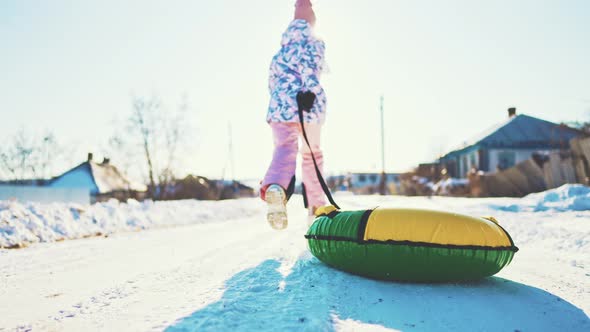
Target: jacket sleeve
(310, 66)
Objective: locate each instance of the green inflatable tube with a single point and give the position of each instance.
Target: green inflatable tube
(410, 245)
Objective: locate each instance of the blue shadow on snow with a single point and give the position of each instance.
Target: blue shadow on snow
(315, 297)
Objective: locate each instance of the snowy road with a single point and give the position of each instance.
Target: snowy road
(241, 275)
(139, 281)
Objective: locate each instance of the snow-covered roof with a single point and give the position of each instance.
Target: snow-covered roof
(102, 178)
(108, 179)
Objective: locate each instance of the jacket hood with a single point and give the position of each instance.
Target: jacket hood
(298, 31)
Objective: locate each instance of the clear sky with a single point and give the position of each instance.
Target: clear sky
(447, 69)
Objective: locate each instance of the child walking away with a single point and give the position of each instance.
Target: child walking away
(294, 70)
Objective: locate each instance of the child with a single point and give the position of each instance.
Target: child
(295, 68)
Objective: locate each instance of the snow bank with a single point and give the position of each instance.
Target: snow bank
(25, 223)
(447, 186)
(569, 197)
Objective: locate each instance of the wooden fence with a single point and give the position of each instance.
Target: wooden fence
(541, 172)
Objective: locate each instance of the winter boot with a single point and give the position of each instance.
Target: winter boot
(276, 199)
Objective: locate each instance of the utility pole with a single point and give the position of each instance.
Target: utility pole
(231, 151)
(383, 176)
(230, 155)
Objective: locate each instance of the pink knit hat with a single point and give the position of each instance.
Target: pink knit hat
(304, 11)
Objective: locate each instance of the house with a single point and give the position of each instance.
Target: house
(192, 187)
(364, 183)
(103, 180)
(231, 189)
(202, 188)
(36, 190)
(506, 144)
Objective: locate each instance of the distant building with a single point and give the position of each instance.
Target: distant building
(192, 187)
(507, 144)
(231, 189)
(364, 183)
(202, 188)
(103, 181)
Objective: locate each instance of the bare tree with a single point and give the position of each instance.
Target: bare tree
(143, 121)
(125, 154)
(156, 134)
(30, 156)
(174, 135)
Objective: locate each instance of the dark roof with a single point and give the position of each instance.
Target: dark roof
(521, 132)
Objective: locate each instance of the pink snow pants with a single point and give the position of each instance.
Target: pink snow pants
(284, 159)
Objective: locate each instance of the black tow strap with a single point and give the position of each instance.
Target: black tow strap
(317, 170)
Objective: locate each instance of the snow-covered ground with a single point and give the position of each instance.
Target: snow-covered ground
(218, 266)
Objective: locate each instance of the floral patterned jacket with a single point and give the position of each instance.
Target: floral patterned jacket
(296, 67)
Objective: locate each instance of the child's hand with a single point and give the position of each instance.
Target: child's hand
(305, 100)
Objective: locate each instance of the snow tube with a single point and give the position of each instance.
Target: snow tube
(410, 244)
